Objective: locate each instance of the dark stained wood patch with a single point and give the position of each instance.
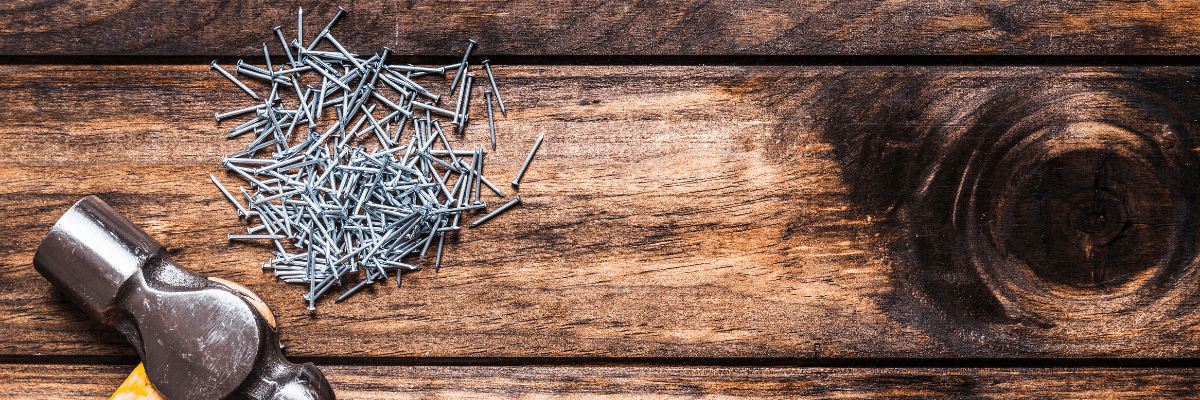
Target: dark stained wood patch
(1032, 210)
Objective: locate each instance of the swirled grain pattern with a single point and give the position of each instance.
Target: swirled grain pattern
(1051, 210)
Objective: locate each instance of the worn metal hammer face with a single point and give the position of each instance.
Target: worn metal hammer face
(199, 338)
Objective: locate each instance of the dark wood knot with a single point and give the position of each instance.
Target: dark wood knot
(1053, 212)
(1085, 211)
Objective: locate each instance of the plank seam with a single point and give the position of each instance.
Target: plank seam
(657, 60)
(941, 363)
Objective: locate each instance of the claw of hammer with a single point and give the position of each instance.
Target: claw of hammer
(198, 337)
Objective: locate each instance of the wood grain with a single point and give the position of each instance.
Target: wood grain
(525, 27)
(23, 381)
(1035, 211)
(672, 212)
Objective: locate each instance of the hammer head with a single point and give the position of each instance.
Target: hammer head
(199, 338)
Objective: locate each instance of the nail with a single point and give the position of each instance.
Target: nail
(248, 128)
(442, 71)
(454, 152)
(528, 159)
(352, 290)
(435, 109)
(324, 69)
(299, 25)
(502, 208)
(489, 184)
(234, 113)
(243, 237)
(437, 262)
(487, 98)
(459, 115)
(418, 88)
(488, 67)
(234, 80)
(286, 50)
(466, 112)
(227, 194)
(341, 11)
(478, 172)
(341, 49)
(462, 65)
(255, 72)
(267, 55)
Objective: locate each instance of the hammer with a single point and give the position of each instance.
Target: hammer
(198, 337)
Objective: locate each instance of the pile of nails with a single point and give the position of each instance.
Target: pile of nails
(350, 172)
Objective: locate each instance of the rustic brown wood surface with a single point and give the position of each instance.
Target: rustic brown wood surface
(526, 27)
(684, 212)
(674, 214)
(24, 381)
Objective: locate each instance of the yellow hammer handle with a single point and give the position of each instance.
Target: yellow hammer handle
(137, 387)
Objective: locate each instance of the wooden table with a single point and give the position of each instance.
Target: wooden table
(734, 199)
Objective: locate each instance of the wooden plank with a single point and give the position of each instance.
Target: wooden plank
(23, 381)
(674, 212)
(526, 27)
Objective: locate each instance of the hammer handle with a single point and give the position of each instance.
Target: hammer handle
(137, 387)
